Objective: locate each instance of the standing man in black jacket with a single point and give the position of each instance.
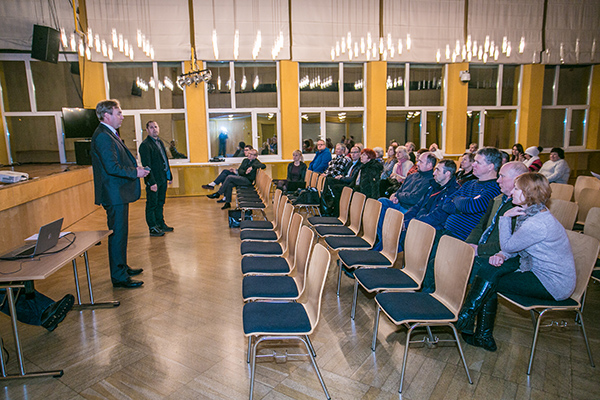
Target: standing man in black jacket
(116, 184)
(246, 175)
(154, 156)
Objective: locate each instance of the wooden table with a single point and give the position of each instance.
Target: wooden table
(15, 272)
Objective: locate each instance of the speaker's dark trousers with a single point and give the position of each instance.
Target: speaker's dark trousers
(155, 203)
(118, 222)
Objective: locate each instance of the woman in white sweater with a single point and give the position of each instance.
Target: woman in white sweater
(556, 168)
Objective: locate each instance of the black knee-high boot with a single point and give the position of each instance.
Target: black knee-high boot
(481, 290)
(483, 336)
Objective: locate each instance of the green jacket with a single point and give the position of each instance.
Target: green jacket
(492, 246)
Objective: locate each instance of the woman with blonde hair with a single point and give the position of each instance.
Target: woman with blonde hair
(535, 260)
(296, 172)
(402, 166)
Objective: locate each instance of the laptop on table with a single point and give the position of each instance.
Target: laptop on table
(47, 239)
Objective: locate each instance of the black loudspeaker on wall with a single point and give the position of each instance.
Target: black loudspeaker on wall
(45, 43)
(83, 149)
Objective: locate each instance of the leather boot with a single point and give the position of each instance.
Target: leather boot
(480, 291)
(483, 336)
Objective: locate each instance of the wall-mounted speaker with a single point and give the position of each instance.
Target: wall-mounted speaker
(45, 43)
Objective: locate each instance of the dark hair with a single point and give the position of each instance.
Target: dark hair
(492, 156)
(422, 150)
(431, 158)
(149, 122)
(369, 152)
(241, 145)
(106, 106)
(505, 157)
(559, 151)
(469, 155)
(448, 165)
(519, 147)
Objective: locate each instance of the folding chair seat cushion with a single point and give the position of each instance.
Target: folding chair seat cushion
(363, 257)
(345, 242)
(247, 224)
(258, 235)
(264, 317)
(265, 265)
(527, 302)
(261, 248)
(245, 204)
(271, 287)
(315, 221)
(376, 279)
(413, 306)
(334, 231)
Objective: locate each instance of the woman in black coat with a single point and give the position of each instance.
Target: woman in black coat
(296, 171)
(369, 175)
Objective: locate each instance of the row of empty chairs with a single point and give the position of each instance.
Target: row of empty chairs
(256, 197)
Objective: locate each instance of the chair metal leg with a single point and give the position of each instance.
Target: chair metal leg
(249, 348)
(376, 326)
(405, 356)
(339, 277)
(585, 338)
(353, 313)
(535, 336)
(253, 369)
(462, 356)
(310, 345)
(314, 363)
(533, 318)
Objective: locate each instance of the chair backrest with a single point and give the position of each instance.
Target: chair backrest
(453, 263)
(320, 183)
(305, 244)
(283, 200)
(308, 177)
(286, 219)
(585, 182)
(292, 236)
(370, 219)
(592, 223)
(417, 248)
(392, 228)
(588, 198)
(315, 282)
(585, 251)
(264, 190)
(564, 211)
(357, 206)
(276, 200)
(345, 204)
(313, 180)
(562, 191)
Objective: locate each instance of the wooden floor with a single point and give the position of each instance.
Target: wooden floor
(180, 335)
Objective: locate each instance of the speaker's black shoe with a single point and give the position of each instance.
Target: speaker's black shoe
(214, 195)
(226, 206)
(134, 271)
(55, 313)
(208, 187)
(129, 283)
(223, 200)
(166, 228)
(155, 231)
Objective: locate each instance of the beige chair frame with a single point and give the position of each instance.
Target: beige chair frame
(357, 206)
(585, 182)
(588, 198)
(564, 211)
(562, 191)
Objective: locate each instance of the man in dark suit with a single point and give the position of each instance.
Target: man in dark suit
(116, 184)
(154, 155)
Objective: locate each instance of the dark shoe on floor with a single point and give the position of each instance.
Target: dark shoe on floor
(226, 206)
(214, 195)
(223, 200)
(55, 313)
(486, 343)
(166, 228)
(154, 231)
(208, 187)
(129, 283)
(134, 271)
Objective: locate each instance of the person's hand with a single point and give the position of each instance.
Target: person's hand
(339, 177)
(497, 259)
(515, 211)
(394, 199)
(248, 170)
(141, 172)
(232, 170)
(154, 187)
(474, 246)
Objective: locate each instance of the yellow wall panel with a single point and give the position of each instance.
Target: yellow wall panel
(456, 118)
(196, 120)
(376, 104)
(532, 89)
(290, 113)
(593, 134)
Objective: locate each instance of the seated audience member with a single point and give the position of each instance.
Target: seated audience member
(413, 169)
(517, 153)
(388, 168)
(556, 168)
(413, 189)
(466, 206)
(246, 175)
(360, 146)
(330, 197)
(484, 238)
(465, 173)
(240, 151)
(505, 157)
(340, 163)
(329, 145)
(379, 153)
(367, 180)
(225, 173)
(322, 158)
(410, 147)
(296, 172)
(473, 147)
(266, 150)
(439, 154)
(545, 268)
(532, 160)
(403, 165)
(174, 152)
(34, 308)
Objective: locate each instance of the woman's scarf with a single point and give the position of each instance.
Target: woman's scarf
(532, 210)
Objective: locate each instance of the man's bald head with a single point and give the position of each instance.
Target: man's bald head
(507, 175)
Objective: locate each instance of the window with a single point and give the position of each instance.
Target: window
(14, 86)
(353, 85)
(33, 139)
(499, 128)
(122, 78)
(342, 125)
(311, 131)
(255, 85)
(219, 93)
(404, 126)
(483, 85)
(510, 86)
(434, 128)
(172, 129)
(238, 128)
(573, 84)
(473, 127)
(425, 87)
(170, 99)
(267, 133)
(552, 127)
(395, 84)
(319, 85)
(56, 85)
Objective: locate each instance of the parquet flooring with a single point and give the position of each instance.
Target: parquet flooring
(180, 335)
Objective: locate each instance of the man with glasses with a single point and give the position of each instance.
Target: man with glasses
(322, 158)
(227, 172)
(340, 163)
(335, 184)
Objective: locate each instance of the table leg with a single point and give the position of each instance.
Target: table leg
(22, 373)
(91, 304)
(74, 261)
